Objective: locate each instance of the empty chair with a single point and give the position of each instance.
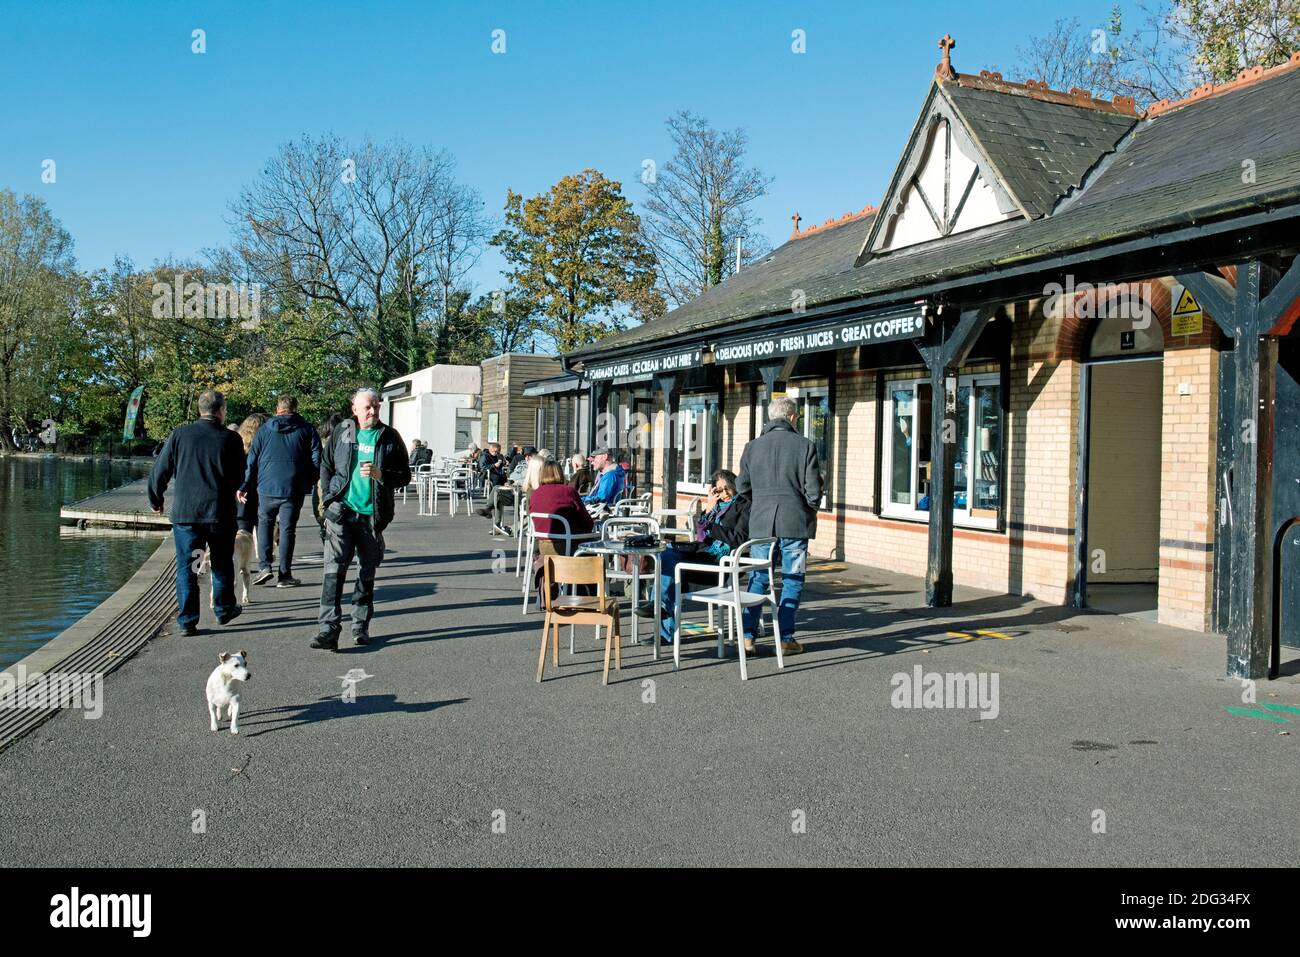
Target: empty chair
(423, 487)
(570, 609)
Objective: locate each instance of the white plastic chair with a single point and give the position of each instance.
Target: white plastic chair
(729, 595)
(640, 505)
(461, 490)
(521, 517)
(423, 484)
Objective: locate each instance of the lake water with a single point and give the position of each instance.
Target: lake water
(50, 578)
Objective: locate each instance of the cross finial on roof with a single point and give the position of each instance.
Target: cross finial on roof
(944, 70)
(795, 232)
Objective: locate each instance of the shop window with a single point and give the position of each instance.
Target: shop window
(977, 467)
(699, 441)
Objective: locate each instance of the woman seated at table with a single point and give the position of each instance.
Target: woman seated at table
(723, 524)
(554, 496)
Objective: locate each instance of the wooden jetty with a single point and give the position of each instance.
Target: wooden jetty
(124, 507)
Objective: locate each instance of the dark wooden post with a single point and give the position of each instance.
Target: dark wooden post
(944, 350)
(599, 399)
(1247, 317)
(667, 384)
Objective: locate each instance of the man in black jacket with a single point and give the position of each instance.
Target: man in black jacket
(283, 463)
(781, 471)
(207, 461)
(363, 464)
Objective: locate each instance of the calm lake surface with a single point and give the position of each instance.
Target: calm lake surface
(49, 578)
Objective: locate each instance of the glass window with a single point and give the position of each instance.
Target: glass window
(976, 456)
(699, 439)
(815, 421)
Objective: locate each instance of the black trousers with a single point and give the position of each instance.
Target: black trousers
(286, 511)
(352, 535)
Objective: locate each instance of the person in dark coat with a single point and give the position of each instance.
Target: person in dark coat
(493, 463)
(421, 454)
(362, 465)
(583, 478)
(781, 473)
(206, 460)
(723, 525)
(283, 463)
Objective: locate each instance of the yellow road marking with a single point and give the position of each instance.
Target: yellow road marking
(960, 634)
(995, 634)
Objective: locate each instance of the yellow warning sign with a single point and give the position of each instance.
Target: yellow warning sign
(1186, 319)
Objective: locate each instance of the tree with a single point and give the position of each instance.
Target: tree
(508, 318)
(1176, 46)
(363, 229)
(1230, 35)
(458, 231)
(298, 353)
(700, 205)
(576, 252)
(36, 269)
(1067, 56)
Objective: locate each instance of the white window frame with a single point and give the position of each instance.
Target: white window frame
(960, 516)
(705, 439)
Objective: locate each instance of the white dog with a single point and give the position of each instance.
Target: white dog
(221, 684)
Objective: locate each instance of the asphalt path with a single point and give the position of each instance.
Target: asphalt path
(451, 754)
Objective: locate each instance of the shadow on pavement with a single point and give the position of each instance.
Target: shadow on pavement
(333, 706)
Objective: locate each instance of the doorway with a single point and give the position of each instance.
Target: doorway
(1121, 422)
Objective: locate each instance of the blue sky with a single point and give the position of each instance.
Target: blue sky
(152, 141)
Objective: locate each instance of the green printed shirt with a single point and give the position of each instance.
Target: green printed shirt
(360, 496)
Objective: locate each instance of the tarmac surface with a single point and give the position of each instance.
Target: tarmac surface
(451, 754)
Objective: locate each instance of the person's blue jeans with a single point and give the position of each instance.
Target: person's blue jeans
(668, 562)
(191, 540)
(285, 510)
(793, 554)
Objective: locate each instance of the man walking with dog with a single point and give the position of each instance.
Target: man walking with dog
(283, 464)
(363, 464)
(207, 462)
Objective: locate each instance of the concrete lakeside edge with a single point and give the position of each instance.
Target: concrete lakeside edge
(79, 634)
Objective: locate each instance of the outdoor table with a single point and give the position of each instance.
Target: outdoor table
(619, 549)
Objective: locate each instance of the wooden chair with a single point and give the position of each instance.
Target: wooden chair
(573, 609)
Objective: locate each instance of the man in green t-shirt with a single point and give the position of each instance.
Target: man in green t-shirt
(363, 463)
(360, 496)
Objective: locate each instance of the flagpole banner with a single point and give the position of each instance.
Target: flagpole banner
(132, 413)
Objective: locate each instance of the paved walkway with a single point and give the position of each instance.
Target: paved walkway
(450, 733)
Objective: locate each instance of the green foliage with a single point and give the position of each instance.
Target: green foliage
(575, 252)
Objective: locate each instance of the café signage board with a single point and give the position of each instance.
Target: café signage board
(834, 335)
(648, 366)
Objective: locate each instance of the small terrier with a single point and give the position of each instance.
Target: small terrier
(220, 684)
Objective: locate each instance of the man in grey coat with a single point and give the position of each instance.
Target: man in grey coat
(782, 475)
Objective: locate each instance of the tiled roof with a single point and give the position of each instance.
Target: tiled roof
(1040, 149)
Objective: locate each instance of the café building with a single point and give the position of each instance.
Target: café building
(1055, 361)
